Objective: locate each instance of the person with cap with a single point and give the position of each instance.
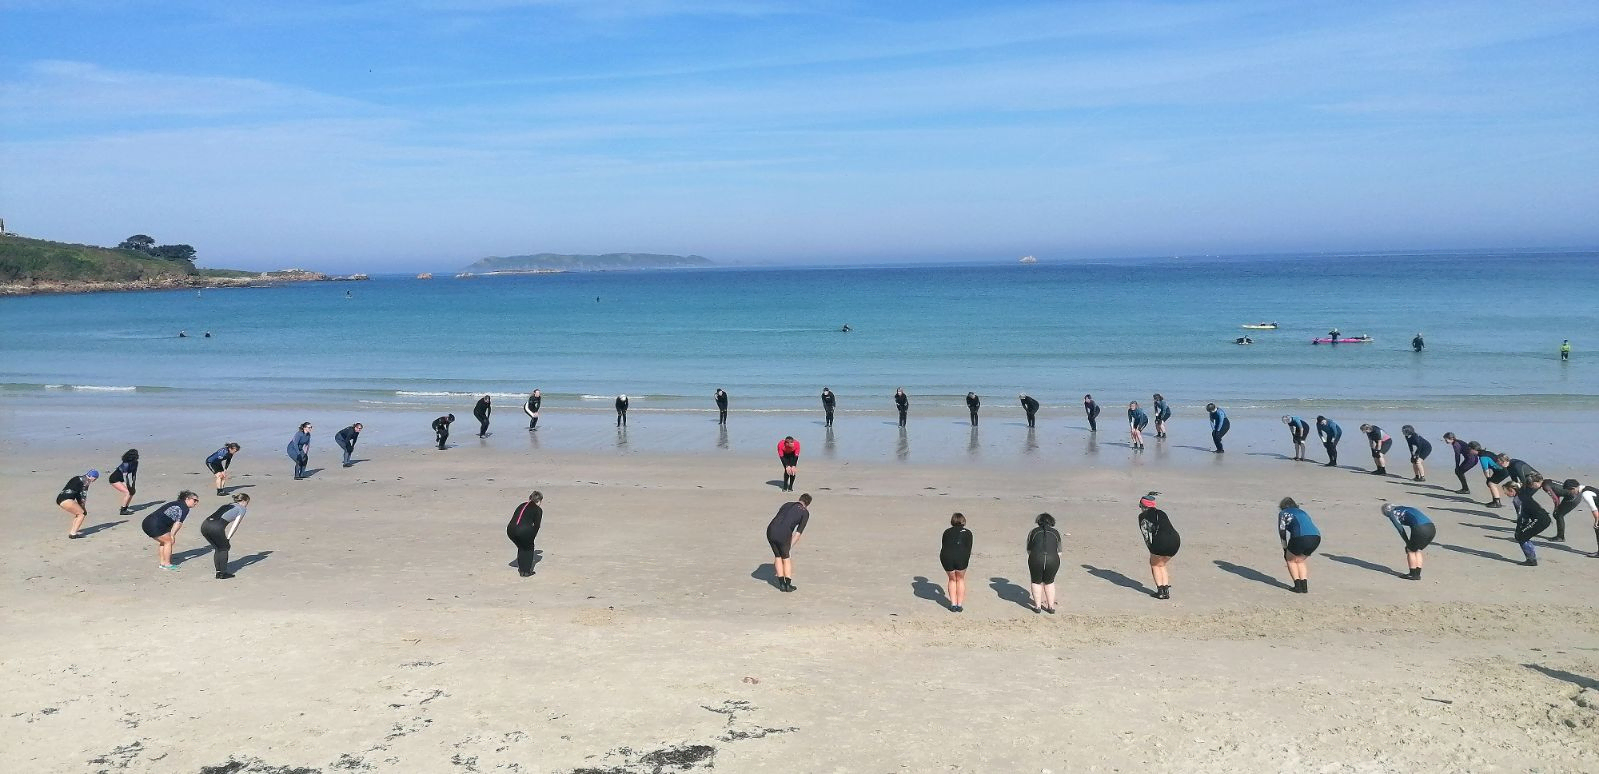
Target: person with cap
(1162, 541)
(74, 499)
(1415, 529)
(621, 410)
(481, 411)
(1298, 432)
(1029, 405)
(441, 429)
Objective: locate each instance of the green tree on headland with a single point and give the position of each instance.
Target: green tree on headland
(140, 243)
(145, 245)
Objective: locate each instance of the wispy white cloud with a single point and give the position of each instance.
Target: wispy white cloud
(63, 90)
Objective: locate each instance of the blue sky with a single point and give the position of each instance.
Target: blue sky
(409, 134)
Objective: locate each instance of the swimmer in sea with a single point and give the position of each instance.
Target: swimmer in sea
(441, 429)
(531, 409)
(972, 404)
(1298, 432)
(523, 530)
(1380, 442)
(721, 406)
(955, 554)
(788, 451)
(1417, 344)
(1300, 539)
(1565, 350)
(829, 400)
(1420, 533)
(125, 479)
(1137, 420)
(903, 403)
(218, 529)
(1162, 541)
(1043, 562)
(1030, 406)
(1420, 449)
(346, 439)
(1219, 425)
(1330, 433)
(783, 534)
(1531, 519)
(299, 450)
(481, 411)
(1162, 415)
(1091, 408)
(74, 499)
(1465, 460)
(163, 524)
(219, 462)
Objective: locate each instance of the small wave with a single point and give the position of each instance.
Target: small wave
(443, 394)
(90, 388)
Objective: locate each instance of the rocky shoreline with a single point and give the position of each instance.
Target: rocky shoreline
(168, 282)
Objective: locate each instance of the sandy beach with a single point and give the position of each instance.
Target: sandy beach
(374, 624)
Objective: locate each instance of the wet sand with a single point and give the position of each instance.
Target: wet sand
(375, 624)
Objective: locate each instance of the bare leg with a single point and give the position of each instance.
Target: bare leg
(1038, 596)
(164, 549)
(127, 497)
(72, 507)
(1049, 595)
(958, 586)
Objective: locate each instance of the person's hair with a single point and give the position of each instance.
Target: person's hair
(1449, 436)
(788, 437)
(131, 455)
(1087, 397)
(1320, 419)
(1365, 428)
(1535, 478)
(241, 498)
(536, 497)
(1474, 446)
(1407, 430)
(1510, 487)
(1210, 407)
(304, 425)
(186, 494)
(231, 445)
(1288, 502)
(1286, 419)
(358, 426)
(805, 499)
(1501, 457)
(450, 417)
(958, 520)
(1159, 396)
(1044, 520)
(1133, 404)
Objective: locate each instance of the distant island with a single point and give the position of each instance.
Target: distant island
(31, 266)
(608, 261)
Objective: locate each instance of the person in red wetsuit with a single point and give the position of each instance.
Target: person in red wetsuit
(788, 451)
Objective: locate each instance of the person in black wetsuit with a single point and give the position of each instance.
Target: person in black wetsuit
(903, 403)
(125, 479)
(1380, 443)
(1137, 420)
(299, 450)
(1420, 449)
(482, 410)
(972, 404)
(1299, 432)
(1417, 344)
(721, 406)
(1043, 562)
(1567, 495)
(441, 429)
(219, 462)
(828, 402)
(531, 409)
(1162, 540)
(783, 534)
(218, 529)
(1465, 460)
(1091, 408)
(1330, 434)
(163, 524)
(955, 554)
(1029, 405)
(621, 410)
(346, 439)
(74, 499)
(1531, 518)
(523, 530)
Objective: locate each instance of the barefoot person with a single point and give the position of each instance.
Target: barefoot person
(788, 451)
(523, 530)
(621, 410)
(74, 499)
(481, 411)
(1380, 443)
(299, 450)
(531, 409)
(829, 402)
(721, 406)
(219, 462)
(1162, 415)
(1091, 410)
(218, 529)
(125, 479)
(1029, 406)
(163, 524)
(441, 429)
(1137, 420)
(783, 533)
(1420, 450)
(1043, 562)
(1300, 538)
(1162, 540)
(902, 402)
(1415, 529)
(973, 403)
(955, 554)
(346, 439)
(1219, 425)
(1298, 432)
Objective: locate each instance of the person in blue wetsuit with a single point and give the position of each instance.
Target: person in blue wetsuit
(1162, 415)
(1420, 449)
(1531, 518)
(1219, 425)
(125, 479)
(1415, 529)
(1493, 473)
(163, 523)
(1300, 539)
(346, 439)
(1330, 433)
(1091, 408)
(299, 450)
(1380, 442)
(219, 462)
(1298, 430)
(1137, 420)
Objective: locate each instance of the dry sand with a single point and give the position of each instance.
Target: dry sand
(376, 625)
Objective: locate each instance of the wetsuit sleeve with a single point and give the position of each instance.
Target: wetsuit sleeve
(1592, 502)
(805, 518)
(1394, 519)
(1285, 523)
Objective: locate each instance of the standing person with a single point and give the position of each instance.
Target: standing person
(1420, 449)
(1300, 538)
(828, 402)
(299, 449)
(441, 429)
(1029, 405)
(523, 530)
(219, 462)
(1380, 443)
(218, 529)
(1137, 420)
(1091, 408)
(346, 439)
(1565, 350)
(972, 404)
(1417, 344)
(621, 410)
(1330, 434)
(721, 406)
(788, 451)
(1219, 425)
(1043, 561)
(1162, 540)
(1299, 432)
(531, 409)
(163, 524)
(1162, 415)
(903, 403)
(1421, 532)
(125, 479)
(783, 534)
(482, 411)
(1465, 460)
(955, 554)
(1531, 519)
(74, 499)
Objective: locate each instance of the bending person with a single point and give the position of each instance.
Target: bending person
(218, 529)
(972, 404)
(164, 523)
(788, 451)
(1030, 406)
(1415, 529)
(1043, 562)
(125, 479)
(481, 411)
(523, 530)
(1380, 443)
(219, 462)
(531, 409)
(1091, 409)
(1531, 519)
(1300, 539)
(1162, 540)
(1298, 432)
(1219, 425)
(955, 554)
(1162, 415)
(346, 439)
(299, 449)
(783, 534)
(1330, 434)
(1465, 460)
(74, 499)
(1420, 450)
(441, 429)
